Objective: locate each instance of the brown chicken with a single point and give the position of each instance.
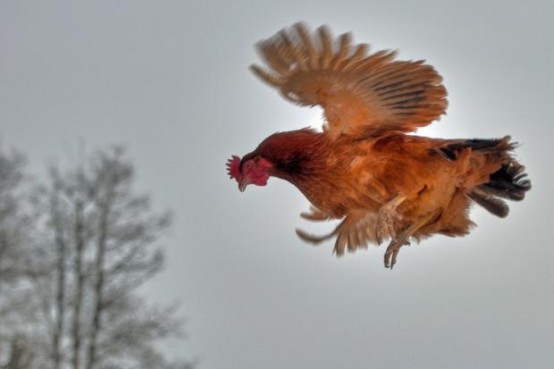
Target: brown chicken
(363, 168)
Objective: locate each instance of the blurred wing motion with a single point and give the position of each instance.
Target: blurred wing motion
(360, 93)
(356, 230)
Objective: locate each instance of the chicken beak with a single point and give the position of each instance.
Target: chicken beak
(242, 184)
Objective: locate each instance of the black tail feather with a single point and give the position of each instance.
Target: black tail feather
(452, 149)
(492, 204)
(509, 182)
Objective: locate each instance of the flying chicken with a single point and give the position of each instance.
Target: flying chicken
(364, 168)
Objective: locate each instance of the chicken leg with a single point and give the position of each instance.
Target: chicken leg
(385, 218)
(403, 238)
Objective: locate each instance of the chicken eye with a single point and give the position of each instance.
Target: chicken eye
(248, 165)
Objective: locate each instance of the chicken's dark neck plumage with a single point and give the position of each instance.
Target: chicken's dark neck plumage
(295, 155)
(302, 158)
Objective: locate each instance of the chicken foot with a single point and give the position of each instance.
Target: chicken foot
(403, 238)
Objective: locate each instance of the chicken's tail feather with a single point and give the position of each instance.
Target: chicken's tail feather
(492, 204)
(509, 182)
(483, 145)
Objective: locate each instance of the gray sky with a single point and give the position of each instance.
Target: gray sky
(170, 80)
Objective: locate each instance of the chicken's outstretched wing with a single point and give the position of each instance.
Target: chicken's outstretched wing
(360, 93)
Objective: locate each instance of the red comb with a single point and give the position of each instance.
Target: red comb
(233, 165)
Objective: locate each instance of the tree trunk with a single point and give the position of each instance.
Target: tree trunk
(60, 288)
(79, 287)
(21, 356)
(99, 286)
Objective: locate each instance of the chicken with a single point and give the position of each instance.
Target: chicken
(364, 168)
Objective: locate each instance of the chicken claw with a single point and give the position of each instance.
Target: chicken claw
(392, 252)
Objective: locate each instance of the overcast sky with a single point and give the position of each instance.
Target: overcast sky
(169, 79)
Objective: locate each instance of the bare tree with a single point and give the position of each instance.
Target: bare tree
(11, 218)
(97, 244)
(13, 294)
